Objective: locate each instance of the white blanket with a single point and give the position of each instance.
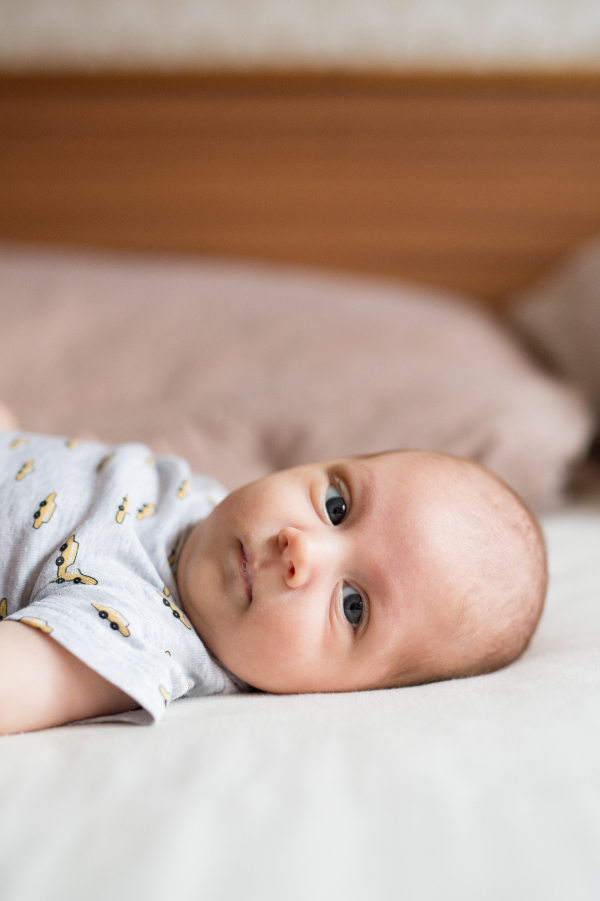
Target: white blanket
(484, 788)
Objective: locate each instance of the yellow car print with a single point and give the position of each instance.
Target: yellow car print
(66, 558)
(45, 510)
(166, 694)
(173, 554)
(103, 462)
(117, 622)
(177, 613)
(123, 510)
(3, 608)
(72, 443)
(17, 442)
(25, 469)
(183, 489)
(145, 511)
(36, 623)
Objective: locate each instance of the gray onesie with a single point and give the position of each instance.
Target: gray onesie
(90, 537)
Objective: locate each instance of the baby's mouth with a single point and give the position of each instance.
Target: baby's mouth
(246, 573)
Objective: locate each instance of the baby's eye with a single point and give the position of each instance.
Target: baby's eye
(353, 605)
(335, 505)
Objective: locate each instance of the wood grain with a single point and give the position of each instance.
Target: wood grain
(471, 182)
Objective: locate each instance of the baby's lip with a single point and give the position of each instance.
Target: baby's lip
(246, 574)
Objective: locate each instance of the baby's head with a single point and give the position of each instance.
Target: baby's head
(366, 572)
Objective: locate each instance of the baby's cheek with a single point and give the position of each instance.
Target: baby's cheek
(276, 632)
(275, 651)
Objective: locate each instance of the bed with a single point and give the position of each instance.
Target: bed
(486, 787)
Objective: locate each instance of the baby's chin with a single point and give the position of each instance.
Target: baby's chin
(287, 682)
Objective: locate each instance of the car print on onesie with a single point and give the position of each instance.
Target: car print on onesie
(166, 694)
(104, 461)
(117, 621)
(66, 558)
(36, 623)
(145, 511)
(25, 469)
(123, 510)
(183, 489)
(173, 554)
(177, 613)
(45, 510)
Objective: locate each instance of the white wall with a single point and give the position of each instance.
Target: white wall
(400, 34)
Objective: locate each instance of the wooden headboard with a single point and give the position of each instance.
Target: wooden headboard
(473, 182)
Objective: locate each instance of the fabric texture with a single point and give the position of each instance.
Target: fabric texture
(242, 369)
(90, 538)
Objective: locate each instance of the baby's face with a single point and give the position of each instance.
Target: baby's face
(320, 578)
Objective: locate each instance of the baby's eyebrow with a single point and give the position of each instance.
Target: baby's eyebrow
(360, 484)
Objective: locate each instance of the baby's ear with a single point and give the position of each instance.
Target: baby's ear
(8, 420)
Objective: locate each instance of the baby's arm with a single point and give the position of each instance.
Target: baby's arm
(43, 685)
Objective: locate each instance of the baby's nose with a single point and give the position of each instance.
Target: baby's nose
(296, 556)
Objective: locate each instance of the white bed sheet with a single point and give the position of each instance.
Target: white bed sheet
(485, 788)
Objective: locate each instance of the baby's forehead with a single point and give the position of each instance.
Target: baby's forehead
(386, 464)
(399, 472)
(428, 472)
(405, 530)
(419, 513)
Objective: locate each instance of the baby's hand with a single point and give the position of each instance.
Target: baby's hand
(8, 420)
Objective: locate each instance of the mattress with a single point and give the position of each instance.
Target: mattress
(487, 787)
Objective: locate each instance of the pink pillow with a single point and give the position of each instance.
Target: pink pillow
(247, 368)
(561, 314)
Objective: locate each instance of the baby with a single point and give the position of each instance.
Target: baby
(368, 572)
